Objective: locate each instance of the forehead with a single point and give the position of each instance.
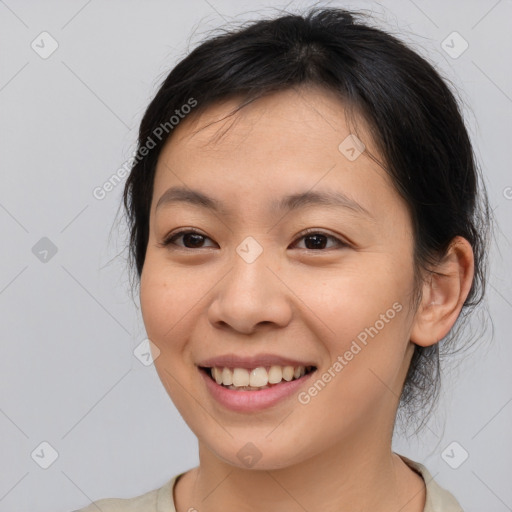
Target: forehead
(286, 142)
(308, 112)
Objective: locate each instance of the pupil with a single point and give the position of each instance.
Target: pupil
(319, 244)
(196, 239)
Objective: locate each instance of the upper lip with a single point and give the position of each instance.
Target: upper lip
(249, 362)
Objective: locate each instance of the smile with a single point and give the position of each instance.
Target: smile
(244, 379)
(231, 387)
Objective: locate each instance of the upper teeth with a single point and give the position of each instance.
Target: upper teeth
(257, 377)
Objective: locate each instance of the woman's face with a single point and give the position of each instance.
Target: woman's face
(253, 282)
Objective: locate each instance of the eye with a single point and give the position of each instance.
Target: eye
(317, 239)
(191, 238)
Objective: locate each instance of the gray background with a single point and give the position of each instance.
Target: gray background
(69, 327)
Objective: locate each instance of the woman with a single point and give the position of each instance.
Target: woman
(307, 224)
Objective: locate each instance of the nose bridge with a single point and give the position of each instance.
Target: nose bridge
(250, 294)
(250, 270)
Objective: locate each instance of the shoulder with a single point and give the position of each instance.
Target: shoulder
(438, 499)
(157, 500)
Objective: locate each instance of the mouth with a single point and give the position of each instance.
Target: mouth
(256, 379)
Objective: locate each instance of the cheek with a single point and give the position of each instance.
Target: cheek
(171, 301)
(360, 316)
(153, 299)
(346, 299)
(164, 300)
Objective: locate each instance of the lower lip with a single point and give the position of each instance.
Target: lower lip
(248, 401)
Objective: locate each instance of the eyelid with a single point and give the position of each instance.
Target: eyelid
(342, 242)
(168, 239)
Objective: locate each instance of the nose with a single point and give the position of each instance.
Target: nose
(251, 297)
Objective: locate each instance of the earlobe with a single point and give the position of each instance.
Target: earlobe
(444, 294)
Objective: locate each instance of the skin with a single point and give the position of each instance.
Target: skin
(205, 300)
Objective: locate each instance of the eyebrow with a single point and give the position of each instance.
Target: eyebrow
(286, 203)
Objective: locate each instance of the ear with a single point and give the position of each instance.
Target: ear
(444, 293)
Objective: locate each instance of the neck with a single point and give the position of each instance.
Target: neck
(360, 473)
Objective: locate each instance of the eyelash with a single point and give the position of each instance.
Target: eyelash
(169, 239)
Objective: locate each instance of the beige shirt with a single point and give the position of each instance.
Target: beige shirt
(161, 500)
